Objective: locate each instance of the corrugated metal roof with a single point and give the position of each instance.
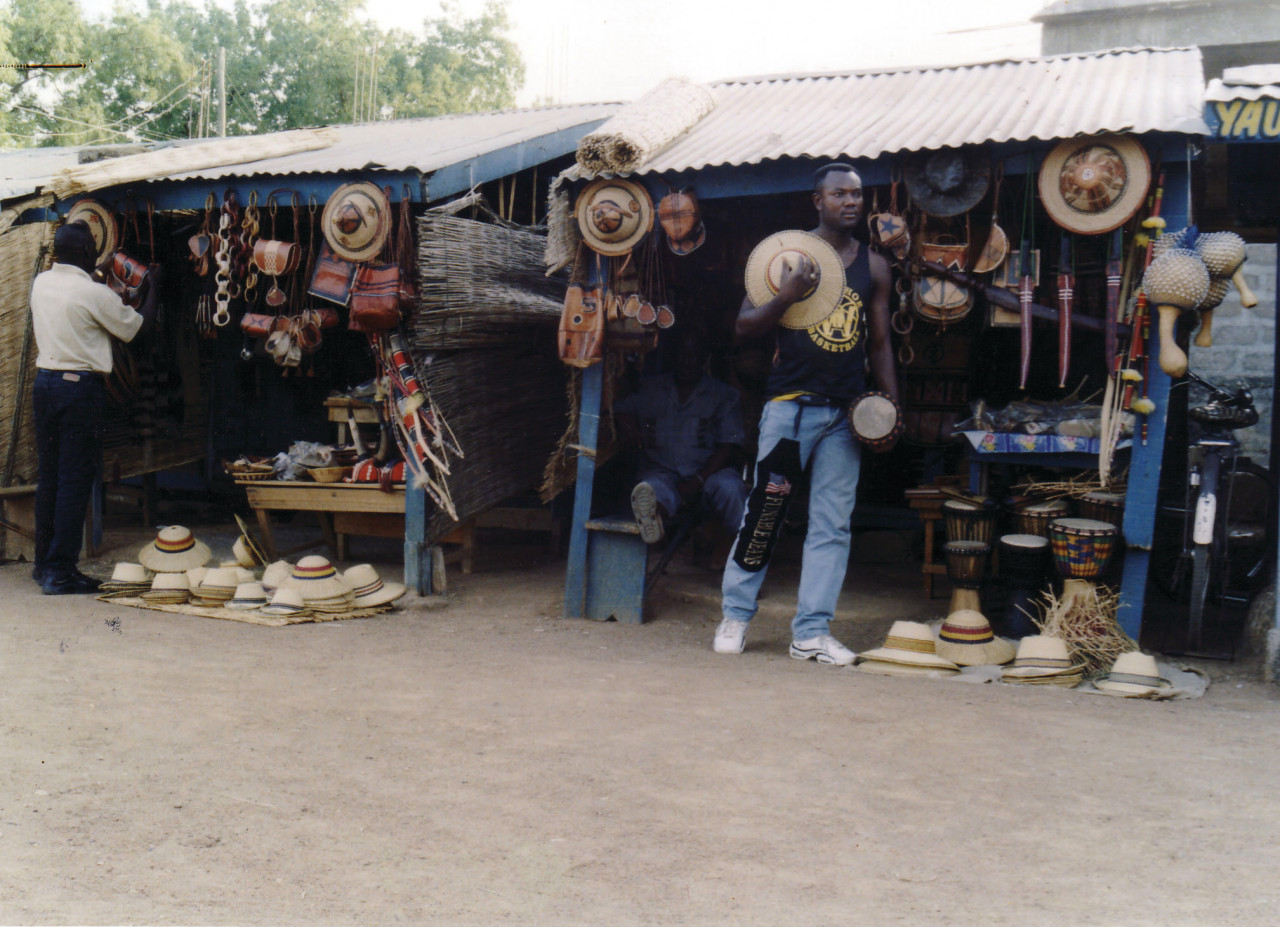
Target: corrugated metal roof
(425, 145)
(868, 114)
(1254, 82)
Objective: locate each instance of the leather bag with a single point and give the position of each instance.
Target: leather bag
(127, 278)
(375, 299)
(333, 277)
(581, 333)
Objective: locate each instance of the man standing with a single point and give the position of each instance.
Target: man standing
(73, 319)
(804, 426)
(688, 426)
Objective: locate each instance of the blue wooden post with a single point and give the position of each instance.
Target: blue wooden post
(417, 554)
(1145, 462)
(575, 580)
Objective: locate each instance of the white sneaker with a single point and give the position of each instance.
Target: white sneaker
(824, 649)
(731, 636)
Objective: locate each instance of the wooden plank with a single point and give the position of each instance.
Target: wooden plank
(323, 497)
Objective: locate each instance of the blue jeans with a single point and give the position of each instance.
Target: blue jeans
(68, 422)
(723, 495)
(833, 458)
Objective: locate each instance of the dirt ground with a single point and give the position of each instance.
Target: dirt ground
(483, 761)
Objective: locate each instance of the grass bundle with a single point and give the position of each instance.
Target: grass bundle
(481, 285)
(1088, 625)
(645, 127)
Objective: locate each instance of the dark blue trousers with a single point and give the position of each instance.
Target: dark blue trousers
(68, 419)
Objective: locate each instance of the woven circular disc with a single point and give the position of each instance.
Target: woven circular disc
(764, 272)
(102, 225)
(356, 221)
(1095, 184)
(614, 215)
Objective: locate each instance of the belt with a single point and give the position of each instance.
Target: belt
(72, 375)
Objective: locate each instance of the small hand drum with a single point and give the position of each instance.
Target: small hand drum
(1082, 547)
(875, 420)
(966, 521)
(1034, 518)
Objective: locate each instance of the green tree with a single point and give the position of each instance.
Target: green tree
(290, 63)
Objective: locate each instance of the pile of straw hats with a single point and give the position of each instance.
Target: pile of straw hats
(248, 597)
(175, 550)
(909, 650)
(168, 589)
(127, 579)
(216, 588)
(322, 588)
(1043, 660)
(1134, 675)
(273, 576)
(286, 603)
(966, 638)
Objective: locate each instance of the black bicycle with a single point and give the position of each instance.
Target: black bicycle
(1227, 532)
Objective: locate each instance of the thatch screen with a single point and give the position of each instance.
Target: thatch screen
(20, 249)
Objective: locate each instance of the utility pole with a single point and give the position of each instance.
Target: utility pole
(222, 92)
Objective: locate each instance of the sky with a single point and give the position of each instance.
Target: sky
(579, 51)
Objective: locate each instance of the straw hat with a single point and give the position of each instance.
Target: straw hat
(1040, 656)
(1095, 184)
(248, 596)
(174, 550)
(764, 274)
(255, 550)
(1133, 674)
(131, 573)
(317, 580)
(244, 556)
(357, 220)
(887, 668)
(218, 586)
(369, 588)
(910, 643)
(274, 575)
(102, 225)
(947, 182)
(195, 576)
(168, 589)
(966, 638)
(614, 215)
(286, 603)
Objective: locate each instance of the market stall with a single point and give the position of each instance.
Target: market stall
(1019, 217)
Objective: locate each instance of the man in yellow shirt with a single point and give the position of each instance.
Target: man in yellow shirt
(74, 319)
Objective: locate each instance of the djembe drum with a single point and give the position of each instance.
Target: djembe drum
(1024, 563)
(1082, 548)
(1034, 517)
(967, 521)
(875, 420)
(1102, 506)
(966, 565)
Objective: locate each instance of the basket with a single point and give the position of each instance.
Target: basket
(328, 474)
(245, 469)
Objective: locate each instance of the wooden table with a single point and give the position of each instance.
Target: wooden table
(343, 508)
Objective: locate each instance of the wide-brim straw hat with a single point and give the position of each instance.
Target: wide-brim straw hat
(275, 574)
(102, 226)
(966, 638)
(889, 668)
(1042, 655)
(357, 220)
(369, 588)
(947, 182)
(286, 602)
(244, 556)
(175, 550)
(255, 550)
(1095, 184)
(1133, 674)
(614, 215)
(168, 588)
(764, 275)
(315, 577)
(910, 643)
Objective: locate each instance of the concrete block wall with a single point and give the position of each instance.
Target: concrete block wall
(1243, 349)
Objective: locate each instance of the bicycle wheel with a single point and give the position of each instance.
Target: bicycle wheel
(1248, 539)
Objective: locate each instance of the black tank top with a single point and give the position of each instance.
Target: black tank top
(829, 359)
